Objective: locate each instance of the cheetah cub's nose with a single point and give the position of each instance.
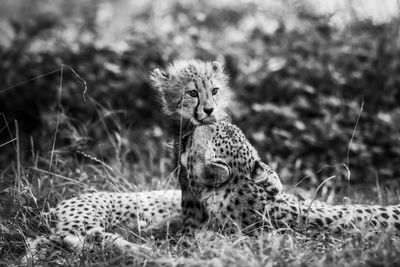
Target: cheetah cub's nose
(208, 111)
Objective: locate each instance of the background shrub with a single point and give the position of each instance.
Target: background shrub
(302, 82)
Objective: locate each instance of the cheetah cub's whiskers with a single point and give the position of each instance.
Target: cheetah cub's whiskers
(193, 92)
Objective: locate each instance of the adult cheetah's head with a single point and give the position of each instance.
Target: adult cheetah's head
(219, 155)
(193, 91)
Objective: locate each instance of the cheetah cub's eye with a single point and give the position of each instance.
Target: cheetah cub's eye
(192, 93)
(214, 91)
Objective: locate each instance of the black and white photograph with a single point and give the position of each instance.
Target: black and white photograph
(174, 133)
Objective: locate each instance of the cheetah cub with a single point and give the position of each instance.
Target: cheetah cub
(194, 93)
(191, 92)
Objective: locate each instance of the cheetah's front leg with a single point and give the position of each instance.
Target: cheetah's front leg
(119, 242)
(32, 249)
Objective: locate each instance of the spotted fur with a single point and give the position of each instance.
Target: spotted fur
(240, 204)
(194, 93)
(98, 214)
(101, 214)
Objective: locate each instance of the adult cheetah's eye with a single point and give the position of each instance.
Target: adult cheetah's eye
(192, 93)
(214, 91)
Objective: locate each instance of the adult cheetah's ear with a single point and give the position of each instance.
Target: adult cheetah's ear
(264, 176)
(261, 172)
(217, 66)
(258, 172)
(216, 173)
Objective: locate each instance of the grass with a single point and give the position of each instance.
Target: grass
(135, 159)
(29, 190)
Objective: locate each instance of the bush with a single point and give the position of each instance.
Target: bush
(300, 89)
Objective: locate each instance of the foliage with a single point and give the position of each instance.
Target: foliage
(299, 90)
(314, 99)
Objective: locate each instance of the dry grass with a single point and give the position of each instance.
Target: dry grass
(28, 191)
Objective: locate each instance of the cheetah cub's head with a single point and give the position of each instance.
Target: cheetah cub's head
(193, 91)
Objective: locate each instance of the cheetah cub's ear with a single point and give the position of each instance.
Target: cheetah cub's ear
(158, 78)
(217, 67)
(160, 74)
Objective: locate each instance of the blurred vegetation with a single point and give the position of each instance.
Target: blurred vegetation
(317, 93)
(301, 83)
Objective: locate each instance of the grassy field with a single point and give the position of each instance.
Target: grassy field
(24, 203)
(317, 100)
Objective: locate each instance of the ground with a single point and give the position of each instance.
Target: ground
(275, 248)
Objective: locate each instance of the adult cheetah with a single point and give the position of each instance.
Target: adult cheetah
(239, 203)
(96, 214)
(99, 214)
